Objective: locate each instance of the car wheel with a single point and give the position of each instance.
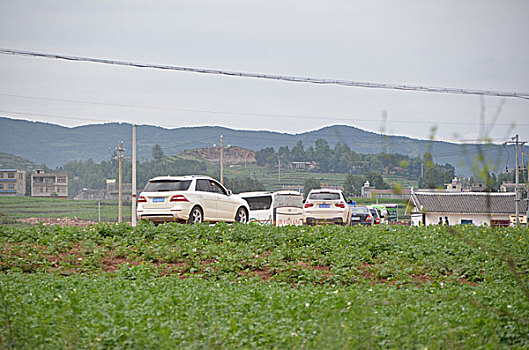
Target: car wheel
(196, 216)
(242, 216)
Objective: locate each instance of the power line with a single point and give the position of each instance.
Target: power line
(348, 83)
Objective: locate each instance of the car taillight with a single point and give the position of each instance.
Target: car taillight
(142, 199)
(340, 205)
(368, 218)
(308, 205)
(178, 198)
(377, 221)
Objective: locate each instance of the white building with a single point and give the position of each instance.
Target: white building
(477, 208)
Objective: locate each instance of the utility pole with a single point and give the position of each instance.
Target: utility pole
(517, 177)
(120, 205)
(134, 219)
(221, 159)
(517, 142)
(526, 186)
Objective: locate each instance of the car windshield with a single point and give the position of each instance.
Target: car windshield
(259, 203)
(359, 210)
(326, 196)
(167, 185)
(288, 200)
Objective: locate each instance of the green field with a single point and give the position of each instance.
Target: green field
(273, 180)
(12, 208)
(247, 286)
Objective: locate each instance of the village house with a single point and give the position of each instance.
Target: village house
(111, 192)
(368, 191)
(49, 184)
(12, 182)
(511, 187)
(476, 208)
(457, 186)
(303, 165)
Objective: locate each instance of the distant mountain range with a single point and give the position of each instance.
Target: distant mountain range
(55, 145)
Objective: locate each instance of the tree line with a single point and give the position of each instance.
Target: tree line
(92, 175)
(341, 159)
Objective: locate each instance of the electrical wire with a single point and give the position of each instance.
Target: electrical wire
(348, 83)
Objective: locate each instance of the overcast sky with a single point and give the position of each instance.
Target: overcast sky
(479, 44)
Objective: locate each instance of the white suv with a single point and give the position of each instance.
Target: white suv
(326, 206)
(194, 199)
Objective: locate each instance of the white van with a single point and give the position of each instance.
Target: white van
(279, 208)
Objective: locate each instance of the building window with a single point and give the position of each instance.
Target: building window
(466, 222)
(11, 186)
(61, 179)
(1, 186)
(10, 175)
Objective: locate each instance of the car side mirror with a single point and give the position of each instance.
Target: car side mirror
(230, 192)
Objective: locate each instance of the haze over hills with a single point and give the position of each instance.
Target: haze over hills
(55, 145)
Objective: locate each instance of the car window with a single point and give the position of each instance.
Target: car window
(217, 188)
(359, 210)
(259, 203)
(203, 186)
(167, 185)
(326, 196)
(288, 200)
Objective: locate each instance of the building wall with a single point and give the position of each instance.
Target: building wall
(12, 182)
(49, 185)
(113, 191)
(458, 219)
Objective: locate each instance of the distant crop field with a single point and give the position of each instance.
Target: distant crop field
(13, 208)
(249, 286)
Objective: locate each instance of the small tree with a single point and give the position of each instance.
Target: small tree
(157, 153)
(375, 180)
(353, 185)
(310, 184)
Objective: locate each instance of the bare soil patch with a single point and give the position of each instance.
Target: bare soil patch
(58, 221)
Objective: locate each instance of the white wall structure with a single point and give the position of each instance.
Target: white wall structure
(476, 208)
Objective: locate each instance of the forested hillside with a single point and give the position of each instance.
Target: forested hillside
(9, 161)
(55, 145)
